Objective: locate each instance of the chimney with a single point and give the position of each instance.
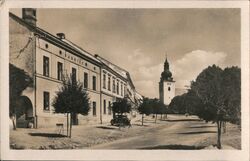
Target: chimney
(29, 15)
(61, 35)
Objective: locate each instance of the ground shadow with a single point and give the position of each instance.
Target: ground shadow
(139, 125)
(207, 126)
(179, 120)
(105, 127)
(51, 135)
(197, 132)
(175, 147)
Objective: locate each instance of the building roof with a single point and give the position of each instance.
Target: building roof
(74, 49)
(81, 50)
(122, 72)
(117, 69)
(62, 43)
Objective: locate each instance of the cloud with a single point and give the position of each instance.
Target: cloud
(147, 79)
(147, 88)
(191, 64)
(139, 58)
(146, 76)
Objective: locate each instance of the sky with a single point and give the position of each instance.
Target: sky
(138, 40)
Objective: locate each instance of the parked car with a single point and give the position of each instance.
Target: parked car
(120, 120)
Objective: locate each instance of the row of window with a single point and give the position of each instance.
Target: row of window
(105, 108)
(60, 73)
(115, 88)
(46, 104)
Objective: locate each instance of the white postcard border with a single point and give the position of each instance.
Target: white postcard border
(8, 154)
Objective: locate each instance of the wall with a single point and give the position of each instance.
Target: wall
(109, 95)
(106, 118)
(168, 95)
(116, 79)
(21, 53)
(22, 46)
(52, 85)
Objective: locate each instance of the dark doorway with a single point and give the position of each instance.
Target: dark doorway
(24, 112)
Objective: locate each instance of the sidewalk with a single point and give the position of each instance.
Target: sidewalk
(83, 136)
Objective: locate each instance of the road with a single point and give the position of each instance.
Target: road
(186, 133)
(175, 132)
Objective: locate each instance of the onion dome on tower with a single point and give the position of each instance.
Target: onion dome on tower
(166, 74)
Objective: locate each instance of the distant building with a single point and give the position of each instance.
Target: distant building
(166, 85)
(46, 58)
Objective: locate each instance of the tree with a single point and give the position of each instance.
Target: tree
(219, 91)
(232, 94)
(19, 80)
(158, 107)
(163, 109)
(145, 108)
(121, 106)
(191, 103)
(185, 103)
(176, 106)
(71, 99)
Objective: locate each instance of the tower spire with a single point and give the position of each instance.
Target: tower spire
(166, 55)
(166, 64)
(166, 74)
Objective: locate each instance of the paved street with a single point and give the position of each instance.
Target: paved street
(176, 132)
(183, 133)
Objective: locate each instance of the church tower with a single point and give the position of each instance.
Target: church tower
(166, 85)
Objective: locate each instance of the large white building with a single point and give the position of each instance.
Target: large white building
(46, 58)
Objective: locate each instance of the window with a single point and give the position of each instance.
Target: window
(113, 86)
(34, 13)
(59, 70)
(117, 88)
(46, 66)
(85, 83)
(94, 82)
(121, 89)
(109, 83)
(94, 108)
(73, 74)
(46, 46)
(169, 88)
(104, 106)
(46, 101)
(104, 81)
(109, 108)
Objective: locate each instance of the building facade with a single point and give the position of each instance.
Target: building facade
(47, 59)
(166, 85)
(113, 87)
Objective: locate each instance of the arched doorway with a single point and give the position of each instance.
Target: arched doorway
(24, 112)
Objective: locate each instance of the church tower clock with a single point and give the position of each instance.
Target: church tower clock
(166, 85)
